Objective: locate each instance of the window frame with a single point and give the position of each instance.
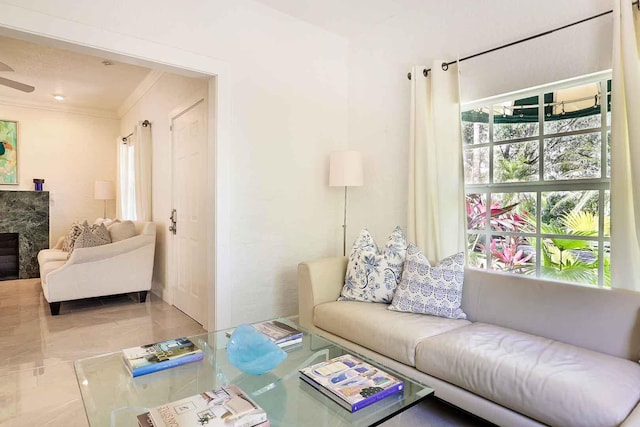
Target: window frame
(601, 184)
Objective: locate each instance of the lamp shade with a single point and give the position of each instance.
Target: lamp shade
(345, 169)
(104, 190)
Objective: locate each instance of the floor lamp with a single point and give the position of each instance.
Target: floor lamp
(104, 190)
(345, 170)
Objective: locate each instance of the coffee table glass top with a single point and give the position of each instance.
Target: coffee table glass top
(112, 397)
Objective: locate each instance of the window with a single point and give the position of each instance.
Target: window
(537, 179)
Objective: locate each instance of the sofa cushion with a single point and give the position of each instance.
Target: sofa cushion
(122, 230)
(373, 275)
(555, 383)
(392, 334)
(431, 290)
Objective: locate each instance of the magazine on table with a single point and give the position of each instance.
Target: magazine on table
(155, 357)
(350, 382)
(280, 333)
(226, 406)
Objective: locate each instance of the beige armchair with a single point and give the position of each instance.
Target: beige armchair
(117, 268)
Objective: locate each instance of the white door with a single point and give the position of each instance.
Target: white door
(189, 140)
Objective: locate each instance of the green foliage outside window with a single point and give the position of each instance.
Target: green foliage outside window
(537, 212)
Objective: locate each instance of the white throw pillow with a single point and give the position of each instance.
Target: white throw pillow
(373, 276)
(431, 290)
(122, 230)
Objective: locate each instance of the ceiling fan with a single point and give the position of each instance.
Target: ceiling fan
(12, 83)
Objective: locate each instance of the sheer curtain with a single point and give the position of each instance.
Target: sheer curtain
(126, 205)
(625, 149)
(142, 163)
(436, 220)
(134, 162)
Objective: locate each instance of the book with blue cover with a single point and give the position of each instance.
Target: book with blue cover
(350, 382)
(158, 356)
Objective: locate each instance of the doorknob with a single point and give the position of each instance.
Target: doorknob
(173, 228)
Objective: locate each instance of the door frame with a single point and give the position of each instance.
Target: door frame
(22, 23)
(171, 270)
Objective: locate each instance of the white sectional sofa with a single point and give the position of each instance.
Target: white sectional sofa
(531, 353)
(116, 268)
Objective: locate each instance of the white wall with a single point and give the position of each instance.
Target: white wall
(379, 91)
(169, 92)
(287, 83)
(70, 151)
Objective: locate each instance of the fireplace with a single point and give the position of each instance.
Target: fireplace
(25, 215)
(9, 256)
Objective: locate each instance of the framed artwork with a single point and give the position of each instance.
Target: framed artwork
(8, 152)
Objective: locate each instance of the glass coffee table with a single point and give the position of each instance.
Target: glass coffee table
(112, 397)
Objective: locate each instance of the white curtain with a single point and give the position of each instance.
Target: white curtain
(134, 178)
(625, 149)
(126, 198)
(142, 165)
(436, 220)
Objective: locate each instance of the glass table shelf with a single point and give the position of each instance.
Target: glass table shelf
(112, 397)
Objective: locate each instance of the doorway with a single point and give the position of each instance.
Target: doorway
(121, 47)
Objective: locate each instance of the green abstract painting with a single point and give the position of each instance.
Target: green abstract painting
(8, 152)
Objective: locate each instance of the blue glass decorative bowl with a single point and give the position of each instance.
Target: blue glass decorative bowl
(252, 352)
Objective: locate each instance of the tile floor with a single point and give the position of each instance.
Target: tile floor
(37, 379)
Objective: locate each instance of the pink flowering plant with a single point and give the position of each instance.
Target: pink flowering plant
(508, 252)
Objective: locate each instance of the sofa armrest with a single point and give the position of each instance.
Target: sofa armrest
(96, 253)
(318, 282)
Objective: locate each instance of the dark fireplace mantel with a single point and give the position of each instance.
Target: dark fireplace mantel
(26, 213)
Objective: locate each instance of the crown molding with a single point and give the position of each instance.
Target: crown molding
(59, 108)
(145, 85)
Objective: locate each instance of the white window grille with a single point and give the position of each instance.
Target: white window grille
(537, 180)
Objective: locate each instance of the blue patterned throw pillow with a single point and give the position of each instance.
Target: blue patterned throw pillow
(373, 276)
(431, 290)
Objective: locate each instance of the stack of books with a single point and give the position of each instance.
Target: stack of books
(155, 357)
(351, 382)
(280, 333)
(223, 407)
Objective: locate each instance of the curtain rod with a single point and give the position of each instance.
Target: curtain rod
(445, 65)
(144, 125)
